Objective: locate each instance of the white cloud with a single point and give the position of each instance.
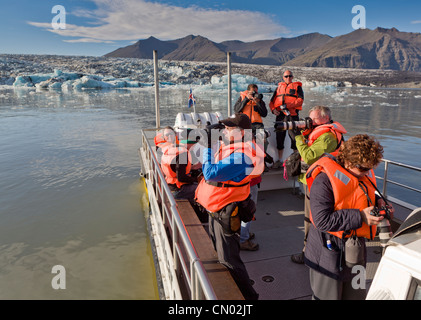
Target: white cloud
(416, 21)
(139, 19)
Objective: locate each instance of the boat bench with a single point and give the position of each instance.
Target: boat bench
(222, 282)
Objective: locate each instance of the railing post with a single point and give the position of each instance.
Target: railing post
(229, 83)
(156, 70)
(386, 168)
(175, 236)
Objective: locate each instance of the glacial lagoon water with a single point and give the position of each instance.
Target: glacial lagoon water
(69, 186)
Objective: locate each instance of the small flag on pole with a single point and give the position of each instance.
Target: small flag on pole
(192, 100)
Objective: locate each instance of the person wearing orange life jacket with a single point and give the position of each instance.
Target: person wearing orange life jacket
(176, 165)
(325, 137)
(225, 194)
(251, 104)
(285, 104)
(341, 200)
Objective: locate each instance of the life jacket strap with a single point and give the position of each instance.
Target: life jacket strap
(225, 185)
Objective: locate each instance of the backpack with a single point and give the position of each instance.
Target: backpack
(292, 165)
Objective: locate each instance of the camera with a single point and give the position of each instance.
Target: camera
(385, 231)
(254, 94)
(285, 110)
(306, 123)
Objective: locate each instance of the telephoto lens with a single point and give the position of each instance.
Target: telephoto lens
(306, 123)
(385, 230)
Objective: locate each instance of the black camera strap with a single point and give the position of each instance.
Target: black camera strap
(381, 195)
(365, 190)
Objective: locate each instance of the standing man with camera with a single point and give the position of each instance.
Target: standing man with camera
(225, 194)
(251, 104)
(342, 198)
(285, 104)
(325, 136)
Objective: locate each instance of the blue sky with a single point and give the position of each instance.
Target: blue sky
(96, 27)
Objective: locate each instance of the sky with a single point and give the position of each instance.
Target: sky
(97, 27)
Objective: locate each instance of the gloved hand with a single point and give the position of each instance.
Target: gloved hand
(306, 132)
(285, 110)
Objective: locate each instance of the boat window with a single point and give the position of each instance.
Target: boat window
(417, 295)
(415, 290)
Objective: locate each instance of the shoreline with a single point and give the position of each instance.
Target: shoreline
(200, 73)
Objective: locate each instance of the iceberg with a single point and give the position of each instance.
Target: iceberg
(325, 88)
(239, 83)
(67, 81)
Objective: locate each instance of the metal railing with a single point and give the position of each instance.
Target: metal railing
(386, 180)
(176, 253)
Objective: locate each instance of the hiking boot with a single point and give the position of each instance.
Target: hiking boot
(298, 258)
(249, 246)
(277, 165)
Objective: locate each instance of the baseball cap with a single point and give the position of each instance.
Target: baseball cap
(237, 120)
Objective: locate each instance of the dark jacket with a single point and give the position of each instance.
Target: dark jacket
(260, 107)
(317, 255)
(181, 169)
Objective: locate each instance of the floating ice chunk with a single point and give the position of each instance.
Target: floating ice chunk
(23, 81)
(91, 82)
(326, 88)
(239, 83)
(67, 86)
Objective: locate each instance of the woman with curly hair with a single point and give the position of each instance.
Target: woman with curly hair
(342, 196)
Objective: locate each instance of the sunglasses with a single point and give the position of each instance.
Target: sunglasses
(288, 76)
(362, 169)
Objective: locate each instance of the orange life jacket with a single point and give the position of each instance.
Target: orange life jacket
(215, 196)
(348, 192)
(169, 153)
(249, 109)
(288, 94)
(160, 141)
(336, 128)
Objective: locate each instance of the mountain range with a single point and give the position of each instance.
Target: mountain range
(363, 49)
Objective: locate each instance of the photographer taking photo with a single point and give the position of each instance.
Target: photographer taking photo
(326, 136)
(251, 104)
(224, 193)
(342, 198)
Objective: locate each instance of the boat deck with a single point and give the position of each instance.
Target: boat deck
(279, 230)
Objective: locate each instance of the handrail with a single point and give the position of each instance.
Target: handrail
(193, 269)
(387, 181)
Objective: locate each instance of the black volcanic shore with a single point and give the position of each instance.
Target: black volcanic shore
(183, 72)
